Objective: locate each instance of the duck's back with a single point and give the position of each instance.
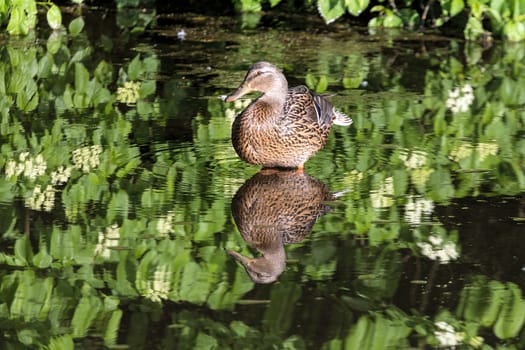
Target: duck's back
(285, 139)
(304, 104)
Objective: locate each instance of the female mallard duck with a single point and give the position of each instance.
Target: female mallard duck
(283, 127)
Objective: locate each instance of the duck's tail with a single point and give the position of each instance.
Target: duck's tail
(341, 119)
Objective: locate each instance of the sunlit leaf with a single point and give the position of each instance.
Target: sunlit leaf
(355, 7)
(514, 31)
(330, 10)
(54, 17)
(456, 7)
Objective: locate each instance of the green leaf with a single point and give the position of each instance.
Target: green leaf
(23, 251)
(392, 21)
(205, 341)
(311, 81)
(322, 85)
(147, 88)
(118, 206)
(331, 10)
(81, 77)
(76, 26)
(17, 24)
(134, 68)
(514, 31)
(54, 17)
(473, 29)
(356, 7)
(111, 333)
(456, 7)
(85, 314)
(42, 259)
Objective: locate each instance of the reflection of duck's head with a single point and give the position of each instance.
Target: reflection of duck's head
(264, 269)
(275, 208)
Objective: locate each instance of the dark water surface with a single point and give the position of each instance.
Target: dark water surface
(123, 200)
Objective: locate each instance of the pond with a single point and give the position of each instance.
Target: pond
(125, 210)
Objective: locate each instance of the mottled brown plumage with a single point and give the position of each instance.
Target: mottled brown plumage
(283, 127)
(274, 208)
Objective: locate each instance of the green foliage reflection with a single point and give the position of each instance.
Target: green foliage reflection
(104, 236)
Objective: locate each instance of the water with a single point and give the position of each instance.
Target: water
(421, 246)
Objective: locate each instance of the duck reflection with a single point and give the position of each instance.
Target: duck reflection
(273, 208)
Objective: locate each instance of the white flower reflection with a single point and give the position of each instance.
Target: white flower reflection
(159, 287)
(446, 335)
(87, 158)
(418, 208)
(438, 249)
(165, 224)
(413, 160)
(382, 197)
(460, 99)
(42, 199)
(30, 167)
(107, 240)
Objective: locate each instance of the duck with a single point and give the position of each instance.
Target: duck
(274, 208)
(283, 127)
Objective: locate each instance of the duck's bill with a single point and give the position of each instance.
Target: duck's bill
(240, 258)
(240, 92)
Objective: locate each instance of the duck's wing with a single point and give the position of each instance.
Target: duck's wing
(316, 107)
(304, 104)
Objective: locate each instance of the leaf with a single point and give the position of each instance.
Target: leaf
(311, 81)
(54, 17)
(81, 77)
(111, 333)
(514, 31)
(76, 26)
(118, 206)
(356, 7)
(134, 68)
(330, 10)
(45, 65)
(85, 314)
(205, 341)
(63, 342)
(456, 7)
(23, 251)
(392, 21)
(322, 85)
(42, 260)
(147, 88)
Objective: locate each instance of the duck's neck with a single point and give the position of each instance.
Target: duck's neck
(276, 95)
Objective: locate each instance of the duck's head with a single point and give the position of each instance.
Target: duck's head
(264, 269)
(263, 77)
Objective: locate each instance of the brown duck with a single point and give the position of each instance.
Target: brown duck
(283, 127)
(274, 208)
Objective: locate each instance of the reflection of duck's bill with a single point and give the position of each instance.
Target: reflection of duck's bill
(240, 258)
